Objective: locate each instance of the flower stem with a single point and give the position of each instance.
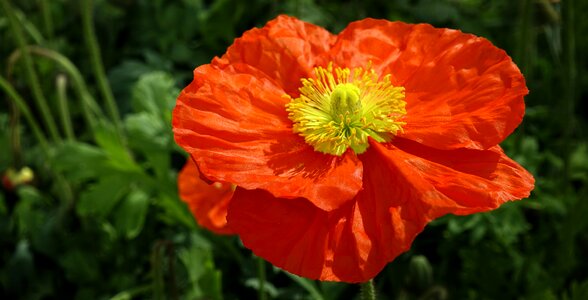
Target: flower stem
(47, 20)
(261, 278)
(30, 72)
(61, 84)
(14, 127)
(569, 80)
(368, 292)
(89, 106)
(97, 66)
(24, 109)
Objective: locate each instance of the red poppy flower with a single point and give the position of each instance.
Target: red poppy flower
(343, 147)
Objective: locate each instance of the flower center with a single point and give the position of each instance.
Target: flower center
(341, 108)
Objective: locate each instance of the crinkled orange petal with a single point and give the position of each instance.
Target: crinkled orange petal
(208, 202)
(351, 244)
(233, 122)
(461, 91)
(402, 193)
(465, 181)
(286, 49)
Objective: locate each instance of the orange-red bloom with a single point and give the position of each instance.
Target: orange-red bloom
(343, 147)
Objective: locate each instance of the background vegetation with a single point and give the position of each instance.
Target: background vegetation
(86, 95)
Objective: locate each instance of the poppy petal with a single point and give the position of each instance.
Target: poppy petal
(286, 49)
(461, 91)
(466, 181)
(208, 202)
(233, 122)
(352, 243)
(401, 194)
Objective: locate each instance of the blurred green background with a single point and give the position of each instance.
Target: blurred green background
(102, 220)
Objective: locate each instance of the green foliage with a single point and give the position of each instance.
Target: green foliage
(102, 218)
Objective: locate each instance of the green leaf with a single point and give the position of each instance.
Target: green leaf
(79, 161)
(268, 287)
(147, 132)
(149, 135)
(100, 198)
(307, 284)
(27, 214)
(175, 211)
(579, 162)
(130, 214)
(118, 156)
(205, 280)
(156, 94)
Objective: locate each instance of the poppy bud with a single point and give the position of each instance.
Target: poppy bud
(420, 273)
(12, 179)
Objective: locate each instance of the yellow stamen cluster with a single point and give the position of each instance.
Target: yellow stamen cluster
(341, 108)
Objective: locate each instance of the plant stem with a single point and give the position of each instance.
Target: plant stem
(30, 72)
(47, 20)
(367, 290)
(24, 109)
(64, 186)
(15, 145)
(569, 80)
(97, 66)
(89, 106)
(524, 37)
(61, 83)
(261, 278)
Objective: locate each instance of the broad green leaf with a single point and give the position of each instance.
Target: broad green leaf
(205, 280)
(79, 161)
(148, 135)
(118, 156)
(211, 284)
(147, 132)
(175, 211)
(129, 216)
(156, 94)
(100, 198)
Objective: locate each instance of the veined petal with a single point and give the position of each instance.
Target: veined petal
(233, 122)
(208, 202)
(285, 49)
(352, 243)
(461, 91)
(467, 181)
(401, 194)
